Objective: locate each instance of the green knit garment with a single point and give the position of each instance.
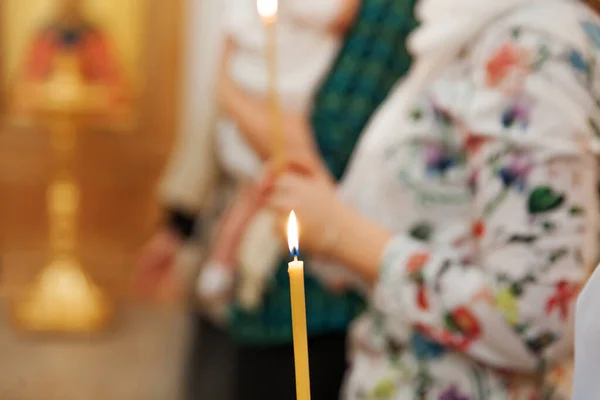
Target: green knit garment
(373, 58)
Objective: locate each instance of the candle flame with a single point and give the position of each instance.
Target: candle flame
(292, 234)
(267, 9)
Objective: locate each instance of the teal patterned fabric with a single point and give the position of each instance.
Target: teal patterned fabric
(371, 61)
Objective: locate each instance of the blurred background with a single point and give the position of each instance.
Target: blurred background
(79, 163)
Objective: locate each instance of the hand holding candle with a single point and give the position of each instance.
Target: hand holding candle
(296, 272)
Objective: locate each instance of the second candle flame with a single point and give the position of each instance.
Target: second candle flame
(292, 235)
(267, 9)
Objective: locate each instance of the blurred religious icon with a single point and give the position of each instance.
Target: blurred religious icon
(69, 75)
(70, 47)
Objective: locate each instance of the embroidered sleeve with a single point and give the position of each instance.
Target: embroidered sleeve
(501, 287)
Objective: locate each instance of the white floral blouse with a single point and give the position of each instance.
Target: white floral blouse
(488, 185)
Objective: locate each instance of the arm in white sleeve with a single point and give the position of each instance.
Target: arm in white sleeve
(191, 171)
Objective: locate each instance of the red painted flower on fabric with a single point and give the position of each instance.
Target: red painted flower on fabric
(444, 337)
(416, 262)
(564, 295)
(462, 329)
(506, 60)
(474, 142)
(478, 229)
(466, 323)
(422, 298)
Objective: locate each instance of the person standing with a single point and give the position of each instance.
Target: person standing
(471, 208)
(372, 59)
(211, 363)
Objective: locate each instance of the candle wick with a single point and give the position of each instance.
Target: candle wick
(295, 258)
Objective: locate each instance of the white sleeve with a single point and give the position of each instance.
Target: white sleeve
(320, 13)
(192, 169)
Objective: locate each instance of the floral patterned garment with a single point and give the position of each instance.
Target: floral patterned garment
(482, 277)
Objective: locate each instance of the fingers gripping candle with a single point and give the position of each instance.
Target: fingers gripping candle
(296, 272)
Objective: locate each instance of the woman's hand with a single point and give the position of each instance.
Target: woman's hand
(156, 275)
(328, 227)
(314, 200)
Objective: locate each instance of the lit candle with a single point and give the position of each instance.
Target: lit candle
(267, 9)
(296, 272)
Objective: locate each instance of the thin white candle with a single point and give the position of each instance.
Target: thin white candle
(267, 9)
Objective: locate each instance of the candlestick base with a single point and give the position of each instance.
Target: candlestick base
(62, 300)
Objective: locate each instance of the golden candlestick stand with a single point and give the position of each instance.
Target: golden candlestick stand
(63, 299)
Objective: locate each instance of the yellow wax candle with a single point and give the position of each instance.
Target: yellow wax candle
(267, 10)
(296, 272)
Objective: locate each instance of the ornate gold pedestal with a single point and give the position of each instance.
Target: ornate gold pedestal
(63, 299)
